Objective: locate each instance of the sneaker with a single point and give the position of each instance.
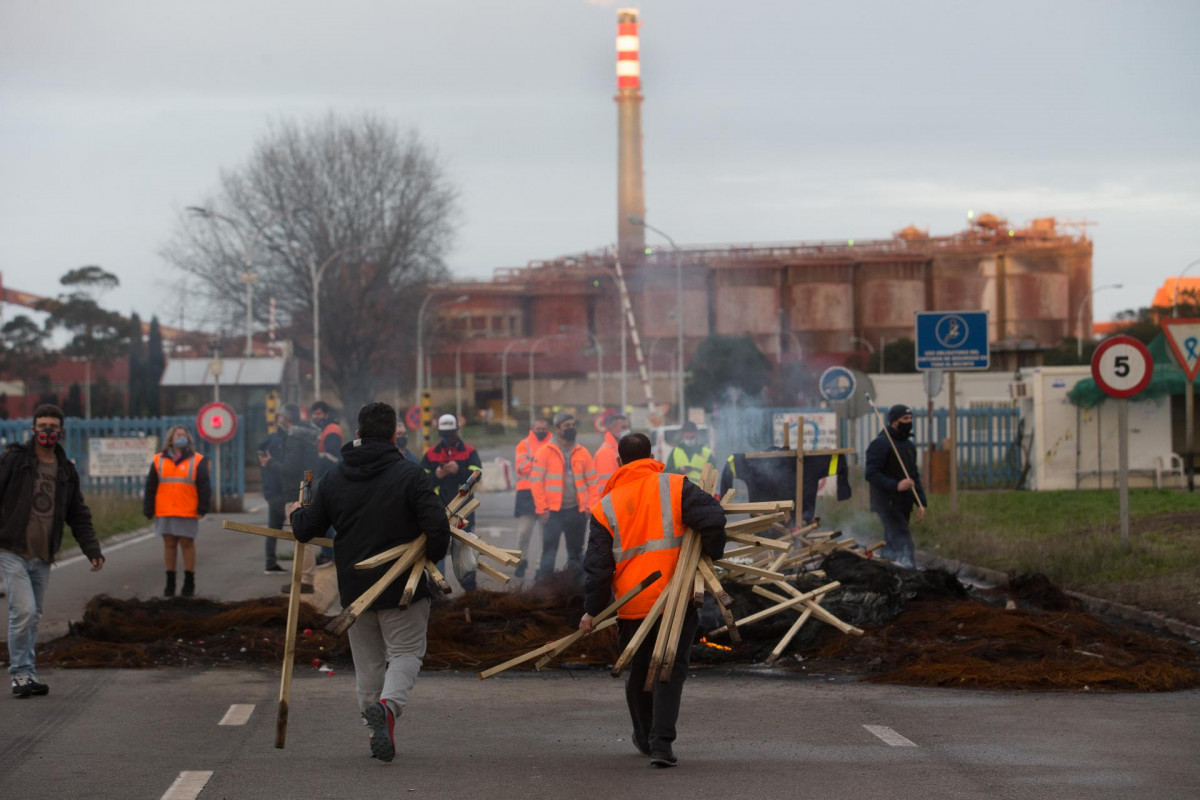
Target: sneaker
(383, 728)
(305, 588)
(274, 569)
(27, 686)
(663, 758)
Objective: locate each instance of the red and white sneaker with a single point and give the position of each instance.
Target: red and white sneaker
(382, 723)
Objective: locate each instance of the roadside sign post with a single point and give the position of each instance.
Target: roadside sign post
(216, 422)
(1122, 367)
(952, 341)
(838, 385)
(1184, 338)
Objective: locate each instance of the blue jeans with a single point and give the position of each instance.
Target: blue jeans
(899, 539)
(25, 579)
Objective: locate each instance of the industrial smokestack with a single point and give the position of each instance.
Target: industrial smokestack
(631, 198)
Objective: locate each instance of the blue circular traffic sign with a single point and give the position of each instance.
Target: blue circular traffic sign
(837, 383)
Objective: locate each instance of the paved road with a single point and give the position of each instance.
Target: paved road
(130, 734)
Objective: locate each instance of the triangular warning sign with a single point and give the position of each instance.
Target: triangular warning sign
(1184, 338)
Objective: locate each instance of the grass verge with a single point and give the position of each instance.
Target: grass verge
(111, 514)
(1073, 537)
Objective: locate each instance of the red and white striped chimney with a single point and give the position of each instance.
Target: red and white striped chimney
(631, 199)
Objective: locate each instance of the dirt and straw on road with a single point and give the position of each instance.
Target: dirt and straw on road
(922, 628)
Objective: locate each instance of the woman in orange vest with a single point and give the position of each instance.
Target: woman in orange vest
(637, 528)
(177, 496)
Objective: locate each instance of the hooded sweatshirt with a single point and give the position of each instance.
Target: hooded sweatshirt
(376, 499)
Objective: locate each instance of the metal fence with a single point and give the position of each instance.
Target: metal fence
(989, 438)
(78, 431)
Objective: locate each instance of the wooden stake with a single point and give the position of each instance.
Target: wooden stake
(640, 635)
(784, 606)
(274, 533)
(692, 558)
(787, 637)
(488, 569)
(289, 646)
(415, 576)
(390, 554)
(436, 575)
(602, 620)
(749, 570)
(814, 605)
(723, 598)
(495, 553)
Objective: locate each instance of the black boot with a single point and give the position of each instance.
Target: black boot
(189, 584)
(170, 590)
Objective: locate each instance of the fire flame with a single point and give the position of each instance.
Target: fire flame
(704, 641)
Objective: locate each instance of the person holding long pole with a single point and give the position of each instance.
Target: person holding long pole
(891, 470)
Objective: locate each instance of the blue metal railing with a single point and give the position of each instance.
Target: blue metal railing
(78, 431)
(989, 447)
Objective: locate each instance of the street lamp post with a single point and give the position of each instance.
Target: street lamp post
(421, 350)
(1079, 316)
(249, 278)
(1175, 294)
(599, 370)
(636, 220)
(504, 381)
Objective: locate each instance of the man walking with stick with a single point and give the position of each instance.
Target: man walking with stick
(891, 469)
(377, 499)
(636, 529)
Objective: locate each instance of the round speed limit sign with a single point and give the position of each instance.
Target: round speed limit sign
(1122, 366)
(216, 422)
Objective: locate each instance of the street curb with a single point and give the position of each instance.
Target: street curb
(1096, 605)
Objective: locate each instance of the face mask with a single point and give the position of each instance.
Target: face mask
(568, 435)
(402, 442)
(689, 440)
(180, 442)
(541, 437)
(903, 430)
(449, 438)
(46, 438)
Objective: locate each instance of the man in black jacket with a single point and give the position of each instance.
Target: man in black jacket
(891, 492)
(377, 499)
(39, 493)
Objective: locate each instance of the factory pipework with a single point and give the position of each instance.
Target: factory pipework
(631, 198)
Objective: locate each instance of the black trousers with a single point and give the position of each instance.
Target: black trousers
(568, 523)
(274, 520)
(654, 713)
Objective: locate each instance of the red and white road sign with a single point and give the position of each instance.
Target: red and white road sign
(1184, 338)
(1122, 366)
(216, 422)
(412, 419)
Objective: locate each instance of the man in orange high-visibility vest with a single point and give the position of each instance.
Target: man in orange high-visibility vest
(525, 510)
(605, 456)
(637, 527)
(563, 482)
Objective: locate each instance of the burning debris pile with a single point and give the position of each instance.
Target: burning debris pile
(920, 628)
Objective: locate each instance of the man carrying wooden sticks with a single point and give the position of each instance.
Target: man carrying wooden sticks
(377, 499)
(637, 527)
(891, 469)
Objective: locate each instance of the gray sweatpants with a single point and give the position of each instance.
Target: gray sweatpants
(388, 645)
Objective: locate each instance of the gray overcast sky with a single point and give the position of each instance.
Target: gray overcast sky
(763, 121)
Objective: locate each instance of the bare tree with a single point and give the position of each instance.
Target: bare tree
(363, 205)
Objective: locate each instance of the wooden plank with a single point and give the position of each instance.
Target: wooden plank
(783, 606)
(762, 507)
(787, 637)
(488, 569)
(414, 579)
(813, 605)
(289, 647)
(274, 533)
(780, 545)
(495, 553)
(436, 575)
(698, 590)
(342, 622)
(602, 620)
(390, 554)
(674, 590)
(749, 570)
(691, 558)
(640, 635)
(723, 598)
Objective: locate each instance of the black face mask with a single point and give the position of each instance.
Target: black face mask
(903, 430)
(568, 435)
(402, 442)
(541, 437)
(450, 439)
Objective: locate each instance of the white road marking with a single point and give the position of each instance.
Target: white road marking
(76, 559)
(187, 786)
(890, 736)
(237, 714)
